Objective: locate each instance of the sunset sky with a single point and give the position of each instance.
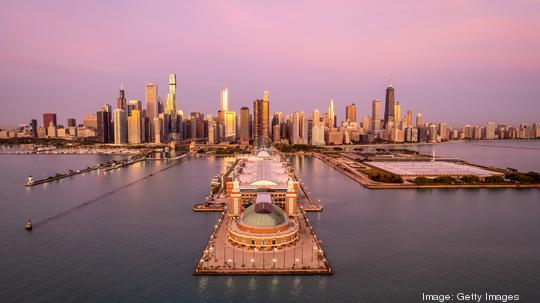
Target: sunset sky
(454, 61)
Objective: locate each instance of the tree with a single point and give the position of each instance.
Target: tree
(423, 181)
(469, 179)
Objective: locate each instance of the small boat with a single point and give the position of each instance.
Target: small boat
(28, 225)
(29, 181)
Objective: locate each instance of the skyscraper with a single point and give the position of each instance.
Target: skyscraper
(366, 123)
(419, 121)
(331, 114)
(151, 101)
(350, 113)
(376, 115)
(317, 129)
(389, 108)
(170, 103)
(409, 118)
(71, 122)
(225, 100)
(299, 128)
(443, 131)
(156, 124)
(103, 119)
(120, 126)
(121, 100)
(134, 127)
(397, 113)
(33, 128)
(230, 125)
(244, 125)
(261, 117)
(48, 118)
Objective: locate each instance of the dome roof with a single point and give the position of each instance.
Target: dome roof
(271, 216)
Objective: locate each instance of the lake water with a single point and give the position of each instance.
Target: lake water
(140, 243)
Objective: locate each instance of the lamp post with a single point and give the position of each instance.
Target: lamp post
(274, 260)
(224, 254)
(243, 263)
(252, 263)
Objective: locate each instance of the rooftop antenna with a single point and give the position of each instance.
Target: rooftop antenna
(121, 85)
(390, 80)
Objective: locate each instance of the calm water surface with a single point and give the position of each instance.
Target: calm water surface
(140, 244)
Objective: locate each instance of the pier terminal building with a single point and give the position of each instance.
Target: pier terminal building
(262, 198)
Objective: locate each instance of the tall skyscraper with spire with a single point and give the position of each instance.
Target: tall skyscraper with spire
(389, 107)
(170, 103)
(121, 101)
(331, 114)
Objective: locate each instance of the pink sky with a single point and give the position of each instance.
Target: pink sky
(454, 61)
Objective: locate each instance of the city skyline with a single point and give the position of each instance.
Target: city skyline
(470, 67)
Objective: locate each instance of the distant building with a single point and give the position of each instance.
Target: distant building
(244, 125)
(376, 115)
(134, 127)
(432, 133)
(49, 118)
(490, 131)
(299, 129)
(152, 109)
(335, 137)
(389, 115)
(120, 126)
(331, 115)
(409, 118)
(90, 121)
(33, 128)
(443, 131)
(366, 124)
(71, 122)
(317, 129)
(261, 112)
(157, 123)
(397, 113)
(350, 113)
(103, 121)
(419, 120)
(121, 102)
(170, 103)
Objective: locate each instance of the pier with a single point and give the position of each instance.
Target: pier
(307, 257)
(266, 234)
(103, 167)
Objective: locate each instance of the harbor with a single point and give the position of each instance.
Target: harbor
(263, 228)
